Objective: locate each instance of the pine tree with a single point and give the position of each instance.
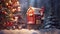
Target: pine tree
(51, 17)
(7, 10)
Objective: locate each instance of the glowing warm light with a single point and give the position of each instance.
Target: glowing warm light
(10, 1)
(10, 15)
(41, 13)
(17, 3)
(30, 11)
(16, 18)
(12, 19)
(6, 3)
(19, 8)
(30, 22)
(30, 14)
(5, 12)
(13, 10)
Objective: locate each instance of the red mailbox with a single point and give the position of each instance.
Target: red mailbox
(30, 16)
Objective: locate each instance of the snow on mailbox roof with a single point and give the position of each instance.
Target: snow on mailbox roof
(37, 11)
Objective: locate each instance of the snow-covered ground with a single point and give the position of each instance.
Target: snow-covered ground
(32, 31)
(22, 31)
